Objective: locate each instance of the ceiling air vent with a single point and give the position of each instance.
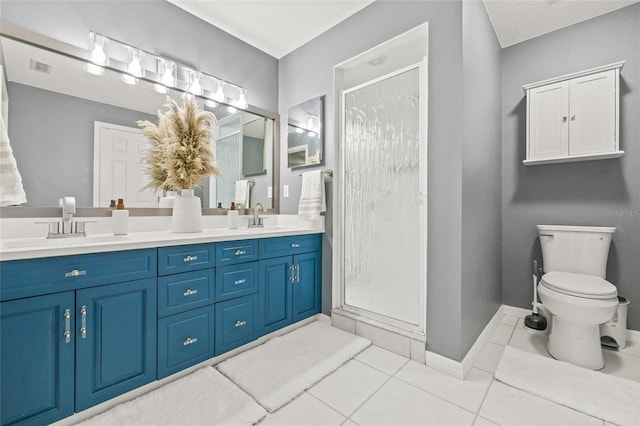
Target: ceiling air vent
(40, 66)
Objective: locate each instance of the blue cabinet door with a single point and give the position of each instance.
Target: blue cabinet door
(37, 377)
(274, 293)
(307, 285)
(115, 352)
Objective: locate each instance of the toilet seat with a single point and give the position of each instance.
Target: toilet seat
(578, 285)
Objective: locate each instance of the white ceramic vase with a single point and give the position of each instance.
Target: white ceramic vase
(187, 212)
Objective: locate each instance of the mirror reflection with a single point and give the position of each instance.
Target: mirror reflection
(305, 134)
(75, 133)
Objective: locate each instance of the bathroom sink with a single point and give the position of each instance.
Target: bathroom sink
(266, 229)
(60, 242)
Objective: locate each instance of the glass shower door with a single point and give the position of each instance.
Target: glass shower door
(383, 225)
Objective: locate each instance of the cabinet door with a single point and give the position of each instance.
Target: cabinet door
(547, 123)
(117, 352)
(274, 293)
(37, 374)
(593, 108)
(307, 285)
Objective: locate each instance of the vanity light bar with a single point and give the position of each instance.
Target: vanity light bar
(162, 72)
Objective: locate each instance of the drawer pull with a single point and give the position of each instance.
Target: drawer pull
(83, 329)
(298, 272)
(292, 277)
(295, 245)
(238, 282)
(189, 292)
(75, 273)
(67, 325)
(189, 341)
(190, 258)
(241, 323)
(240, 252)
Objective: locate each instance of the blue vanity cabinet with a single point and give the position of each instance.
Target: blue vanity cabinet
(37, 359)
(76, 330)
(115, 340)
(236, 322)
(289, 286)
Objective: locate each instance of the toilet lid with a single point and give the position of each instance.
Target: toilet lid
(579, 285)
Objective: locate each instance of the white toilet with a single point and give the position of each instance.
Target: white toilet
(574, 291)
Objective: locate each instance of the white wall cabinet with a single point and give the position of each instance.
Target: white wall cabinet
(574, 117)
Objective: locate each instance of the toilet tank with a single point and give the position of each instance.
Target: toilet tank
(577, 249)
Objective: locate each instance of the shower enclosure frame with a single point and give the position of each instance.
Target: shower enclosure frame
(338, 276)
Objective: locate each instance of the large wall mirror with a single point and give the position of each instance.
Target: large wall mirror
(305, 133)
(75, 134)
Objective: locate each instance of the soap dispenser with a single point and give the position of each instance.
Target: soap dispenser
(120, 218)
(232, 216)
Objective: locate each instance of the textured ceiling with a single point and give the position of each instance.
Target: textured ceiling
(278, 27)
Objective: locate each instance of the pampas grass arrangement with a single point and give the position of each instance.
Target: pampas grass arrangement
(180, 155)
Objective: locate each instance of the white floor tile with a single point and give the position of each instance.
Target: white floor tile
(304, 410)
(349, 387)
(489, 357)
(348, 422)
(481, 421)
(382, 359)
(631, 348)
(530, 341)
(467, 393)
(385, 339)
(509, 320)
(509, 406)
(501, 334)
(621, 365)
(399, 403)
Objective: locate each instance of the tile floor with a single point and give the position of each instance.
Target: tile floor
(378, 387)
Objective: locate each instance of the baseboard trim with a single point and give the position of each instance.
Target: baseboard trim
(461, 369)
(633, 336)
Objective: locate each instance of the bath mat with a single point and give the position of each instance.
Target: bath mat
(610, 398)
(205, 397)
(281, 369)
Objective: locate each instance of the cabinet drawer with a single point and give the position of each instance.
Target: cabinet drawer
(236, 322)
(184, 340)
(192, 257)
(284, 246)
(181, 292)
(236, 280)
(33, 277)
(232, 252)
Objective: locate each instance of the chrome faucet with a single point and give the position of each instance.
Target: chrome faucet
(68, 205)
(66, 227)
(257, 220)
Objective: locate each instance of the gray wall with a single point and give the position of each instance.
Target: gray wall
(52, 139)
(158, 27)
(582, 193)
(481, 161)
(308, 72)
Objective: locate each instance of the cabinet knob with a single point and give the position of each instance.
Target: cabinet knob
(238, 282)
(564, 119)
(75, 273)
(573, 117)
(295, 245)
(190, 258)
(240, 252)
(189, 292)
(189, 341)
(240, 323)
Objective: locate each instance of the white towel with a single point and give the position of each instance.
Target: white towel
(11, 190)
(312, 198)
(242, 193)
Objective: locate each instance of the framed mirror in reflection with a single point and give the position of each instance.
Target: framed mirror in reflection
(305, 134)
(75, 133)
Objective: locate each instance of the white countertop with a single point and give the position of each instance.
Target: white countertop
(18, 241)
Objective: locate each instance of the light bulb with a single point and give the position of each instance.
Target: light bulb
(195, 87)
(98, 45)
(242, 98)
(135, 63)
(219, 94)
(167, 71)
